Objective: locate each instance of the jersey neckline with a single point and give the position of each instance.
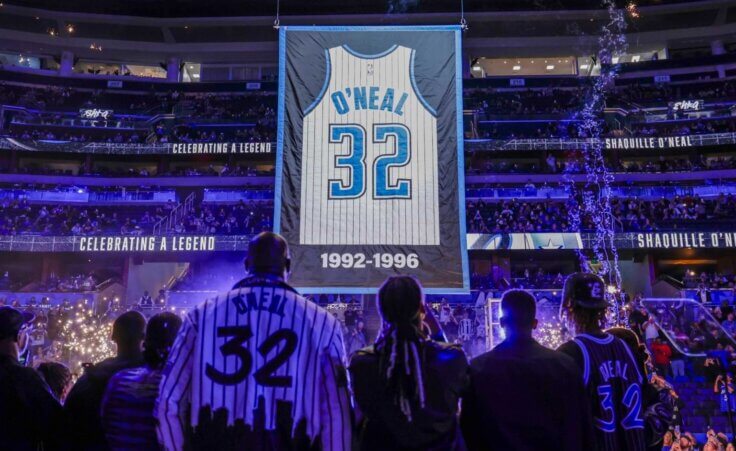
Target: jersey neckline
(604, 340)
(369, 56)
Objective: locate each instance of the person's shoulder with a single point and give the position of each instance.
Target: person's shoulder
(363, 357)
(448, 352)
(569, 347)
(28, 374)
(446, 347)
(128, 374)
(565, 359)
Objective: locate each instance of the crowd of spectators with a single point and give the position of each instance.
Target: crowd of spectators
(527, 279)
(263, 130)
(19, 217)
(475, 164)
(483, 216)
(231, 106)
(663, 93)
(559, 100)
(490, 102)
(70, 283)
(538, 279)
(198, 113)
(685, 128)
(569, 129)
(239, 219)
(179, 170)
(709, 280)
(630, 214)
(52, 115)
(478, 163)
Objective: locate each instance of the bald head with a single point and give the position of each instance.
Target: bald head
(519, 308)
(268, 254)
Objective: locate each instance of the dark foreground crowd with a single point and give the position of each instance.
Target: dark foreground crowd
(261, 368)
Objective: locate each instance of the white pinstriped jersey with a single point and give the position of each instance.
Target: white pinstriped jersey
(250, 351)
(369, 154)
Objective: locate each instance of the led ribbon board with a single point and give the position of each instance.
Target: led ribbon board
(369, 172)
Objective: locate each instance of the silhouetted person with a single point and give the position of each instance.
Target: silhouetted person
(30, 417)
(82, 407)
(524, 396)
(145, 301)
(58, 377)
(128, 404)
(407, 386)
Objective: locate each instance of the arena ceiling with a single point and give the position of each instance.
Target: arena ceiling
(228, 8)
(121, 28)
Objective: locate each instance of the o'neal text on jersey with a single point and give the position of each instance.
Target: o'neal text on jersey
(367, 98)
(613, 368)
(250, 302)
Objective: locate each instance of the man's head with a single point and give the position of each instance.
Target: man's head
(519, 310)
(11, 324)
(584, 301)
(128, 331)
(685, 442)
(58, 377)
(160, 335)
(268, 255)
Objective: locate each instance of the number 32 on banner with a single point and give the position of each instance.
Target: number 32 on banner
(355, 161)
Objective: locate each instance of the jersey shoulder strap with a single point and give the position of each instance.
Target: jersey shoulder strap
(586, 358)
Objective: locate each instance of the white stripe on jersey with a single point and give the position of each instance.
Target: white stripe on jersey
(363, 219)
(269, 313)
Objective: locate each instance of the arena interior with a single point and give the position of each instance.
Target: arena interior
(138, 158)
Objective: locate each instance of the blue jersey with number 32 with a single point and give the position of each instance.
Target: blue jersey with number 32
(614, 386)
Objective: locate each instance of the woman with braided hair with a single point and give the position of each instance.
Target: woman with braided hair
(407, 386)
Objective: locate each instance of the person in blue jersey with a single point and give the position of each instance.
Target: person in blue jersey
(521, 386)
(128, 406)
(407, 386)
(658, 396)
(611, 374)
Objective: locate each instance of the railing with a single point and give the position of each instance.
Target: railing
(640, 192)
(80, 196)
(167, 223)
(247, 195)
(176, 278)
(712, 139)
(675, 318)
(106, 283)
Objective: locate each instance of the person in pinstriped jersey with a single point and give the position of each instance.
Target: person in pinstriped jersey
(257, 368)
(127, 407)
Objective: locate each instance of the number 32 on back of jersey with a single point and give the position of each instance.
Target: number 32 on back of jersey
(355, 139)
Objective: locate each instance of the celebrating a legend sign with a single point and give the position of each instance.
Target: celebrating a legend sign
(369, 170)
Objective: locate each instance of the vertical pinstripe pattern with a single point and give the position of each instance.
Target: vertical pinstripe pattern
(611, 371)
(366, 220)
(317, 392)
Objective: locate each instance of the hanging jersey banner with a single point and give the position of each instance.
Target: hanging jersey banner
(369, 176)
